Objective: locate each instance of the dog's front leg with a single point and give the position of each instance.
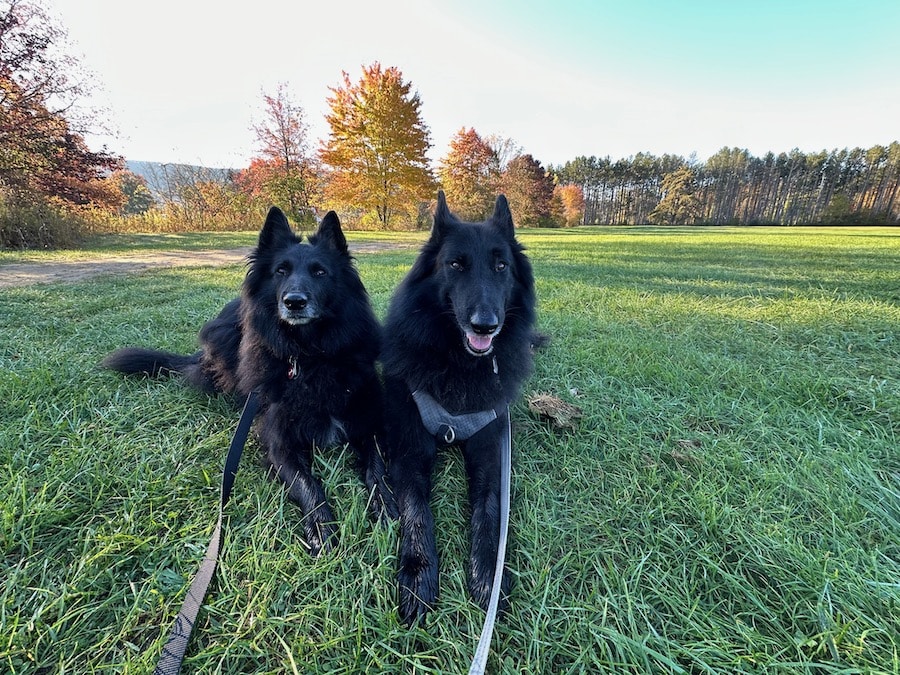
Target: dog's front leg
(382, 502)
(482, 455)
(417, 577)
(306, 490)
(411, 454)
(294, 469)
(366, 436)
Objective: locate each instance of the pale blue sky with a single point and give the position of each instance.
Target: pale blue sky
(183, 79)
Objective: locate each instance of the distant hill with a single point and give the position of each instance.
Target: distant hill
(162, 177)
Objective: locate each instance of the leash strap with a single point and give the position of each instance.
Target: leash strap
(173, 652)
(484, 642)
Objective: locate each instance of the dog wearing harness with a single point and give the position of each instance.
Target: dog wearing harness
(447, 429)
(456, 349)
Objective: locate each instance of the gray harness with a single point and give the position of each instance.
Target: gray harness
(447, 428)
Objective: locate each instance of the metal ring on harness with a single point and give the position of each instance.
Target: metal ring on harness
(446, 433)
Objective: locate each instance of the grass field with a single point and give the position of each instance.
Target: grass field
(730, 502)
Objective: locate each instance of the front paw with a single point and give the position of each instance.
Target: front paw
(381, 501)
(418, 583)
(321, 533)
(481, 580)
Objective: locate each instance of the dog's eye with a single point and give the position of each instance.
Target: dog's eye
(457, 265)
(319, 272)
(281, 270)
(500, 266)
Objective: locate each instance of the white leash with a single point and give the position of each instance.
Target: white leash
(484, 642)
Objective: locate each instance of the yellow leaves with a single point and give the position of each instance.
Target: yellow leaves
(378, 141)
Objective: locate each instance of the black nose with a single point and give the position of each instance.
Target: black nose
(484, 325)
(295, 300)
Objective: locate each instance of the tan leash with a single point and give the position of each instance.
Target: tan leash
(173, 652)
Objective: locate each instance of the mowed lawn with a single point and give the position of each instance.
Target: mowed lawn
(729, 502)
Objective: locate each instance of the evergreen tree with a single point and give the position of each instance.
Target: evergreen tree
(679, 205)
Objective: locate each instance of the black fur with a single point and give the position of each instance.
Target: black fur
(303, 335)
(467, 302)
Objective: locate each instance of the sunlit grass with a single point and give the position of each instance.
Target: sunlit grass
(730, 502)
(104, 245)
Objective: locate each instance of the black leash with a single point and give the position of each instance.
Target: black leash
(173, 652)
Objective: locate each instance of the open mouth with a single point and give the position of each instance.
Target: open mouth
(479, 345)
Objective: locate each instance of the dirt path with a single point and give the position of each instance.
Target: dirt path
(25, 274)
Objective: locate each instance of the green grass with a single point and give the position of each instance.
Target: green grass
(103, 245)
(730, 502)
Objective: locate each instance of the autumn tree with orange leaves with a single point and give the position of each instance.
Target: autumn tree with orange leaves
(567, 205)
(47, 171)
(377, 144)
(43, 154)
(470, 175)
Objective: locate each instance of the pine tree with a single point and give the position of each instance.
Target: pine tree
(680, 204)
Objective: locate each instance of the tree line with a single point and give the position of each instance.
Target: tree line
(858, 186)
(373, 166)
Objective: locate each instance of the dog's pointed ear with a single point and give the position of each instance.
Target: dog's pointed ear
(276, 229)
(330, 233)
(502, 218)
(443, 219)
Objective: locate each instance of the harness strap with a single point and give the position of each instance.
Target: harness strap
(447, 428)
(173, 652)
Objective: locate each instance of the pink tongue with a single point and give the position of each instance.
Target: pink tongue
(479, 343)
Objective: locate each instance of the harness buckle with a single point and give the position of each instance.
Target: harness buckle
(446, 434)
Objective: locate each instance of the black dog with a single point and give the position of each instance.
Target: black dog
(459, 330)
(303, 335)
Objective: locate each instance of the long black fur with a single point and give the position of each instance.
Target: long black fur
(303, 335)
(467, 302)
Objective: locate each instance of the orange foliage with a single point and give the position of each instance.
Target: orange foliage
(469, 175)
(377, 144)
(568, 203)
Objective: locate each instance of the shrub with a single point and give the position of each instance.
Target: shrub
(38, 223)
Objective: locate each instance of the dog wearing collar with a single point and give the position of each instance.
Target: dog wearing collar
(304, 337)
